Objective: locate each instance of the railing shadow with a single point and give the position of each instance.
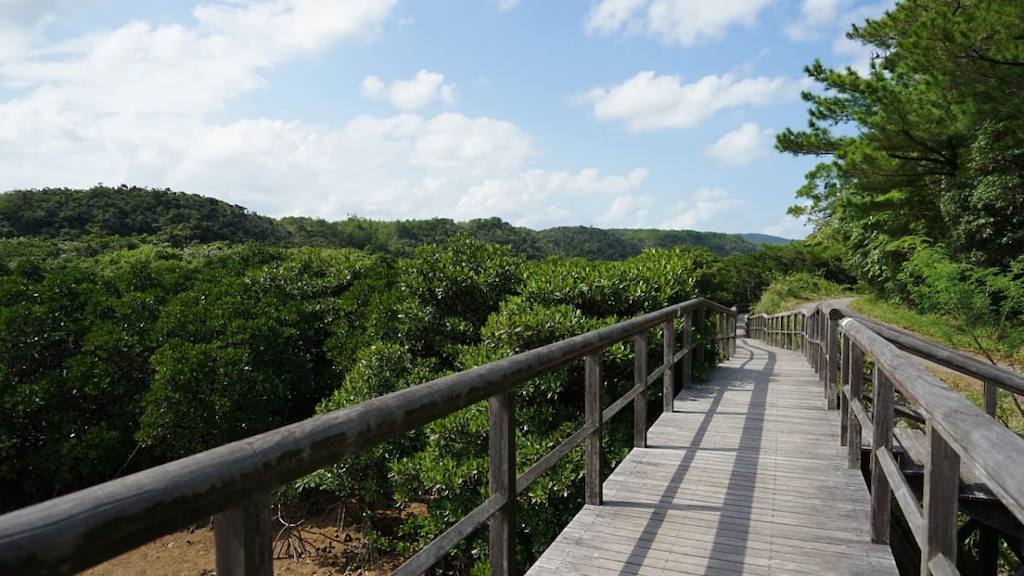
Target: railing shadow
(738, 495)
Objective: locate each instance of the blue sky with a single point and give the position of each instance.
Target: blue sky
(606, 113)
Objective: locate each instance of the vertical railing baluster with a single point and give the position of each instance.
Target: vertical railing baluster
(941, 493)
(502, 476)
(592, 408)
(668, 392)
(687, 379)
(243, 539)
(832, 361)
(732, 334)
(844, 385)
(882, 422)
(991, 398)
(701, 332)
(788, 327)
(640, 379)
(855, 382)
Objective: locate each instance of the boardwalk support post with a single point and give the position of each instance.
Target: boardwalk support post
(592, 407)
(688, 348)
(853, 380)
(941, 492)
(698, 325)
(832, 355)
(881, 419)
(243, 539)
(640, 381)
(668, 389)
(501, 409)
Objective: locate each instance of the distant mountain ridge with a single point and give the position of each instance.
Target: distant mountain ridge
(179, 219)
(765, 239)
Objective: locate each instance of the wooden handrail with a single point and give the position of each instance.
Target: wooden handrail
(837, 341)
(230, 482)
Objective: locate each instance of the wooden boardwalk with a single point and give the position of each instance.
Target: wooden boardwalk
(747, 476)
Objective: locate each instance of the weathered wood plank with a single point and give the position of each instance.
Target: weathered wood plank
(746, 476)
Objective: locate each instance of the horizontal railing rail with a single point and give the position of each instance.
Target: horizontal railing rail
(233, 483)
(958, 434)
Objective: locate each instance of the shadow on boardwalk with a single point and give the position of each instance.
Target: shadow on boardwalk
(746, 476)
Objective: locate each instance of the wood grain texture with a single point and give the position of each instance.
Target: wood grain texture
(746, 476)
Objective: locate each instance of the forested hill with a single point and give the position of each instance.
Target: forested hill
(179, 219)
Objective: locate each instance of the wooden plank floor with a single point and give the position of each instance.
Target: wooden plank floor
(745, 477)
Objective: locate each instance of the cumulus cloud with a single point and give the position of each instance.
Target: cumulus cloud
(694, 212)
(142, 103)
(140, 68)
(417, 92)
(531, 197)
(742, 146)
(283, 28)
(650, 102)
(817, 17)
(504, 5)
(789, 227)
(22, 21)
(682, 22)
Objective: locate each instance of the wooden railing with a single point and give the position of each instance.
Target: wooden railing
(958, 435)
(233, 483)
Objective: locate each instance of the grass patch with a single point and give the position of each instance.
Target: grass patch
(938, 330)
(934, 328)
(794, 290)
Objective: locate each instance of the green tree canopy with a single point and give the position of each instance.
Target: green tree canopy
(927, 143)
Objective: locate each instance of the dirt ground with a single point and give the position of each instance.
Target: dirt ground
(327, 545)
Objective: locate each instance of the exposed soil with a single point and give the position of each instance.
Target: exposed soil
(332, 543)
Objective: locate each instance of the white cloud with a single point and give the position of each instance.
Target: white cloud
(284, 28)
(649, 102)
(470, 145)
(833, 18)
(22, 21)
(627, 210)
(504, 5)
(682, 22)
(139, 68)
(742, 146)
(701, 207)
(419, 91)
(817, 17)
(789, 227)
(532, 198)
(609, 16)
(372, 87)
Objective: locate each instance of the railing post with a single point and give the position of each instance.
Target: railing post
(941, 492)
(698, 325)
(640, 379)
(881, 420)
(592, 409)
(502, 476)
(243, 538)
(722, 327)
(832, 362)
(803, 334)
(844, 404)
(687, 346)
(668, 388)
(788, 327)
(991, 398)
(822, 345)
(734, 326)
(854, 380)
